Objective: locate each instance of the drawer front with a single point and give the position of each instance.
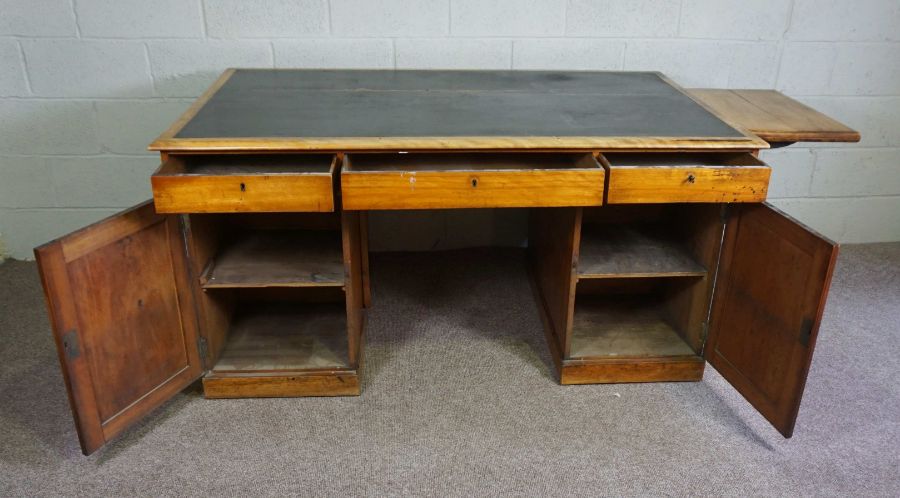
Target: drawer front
(470, 181)
(685, 178)
(245, 184)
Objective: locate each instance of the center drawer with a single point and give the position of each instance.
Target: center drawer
(656, 177)
(463, 180)
(245, 183)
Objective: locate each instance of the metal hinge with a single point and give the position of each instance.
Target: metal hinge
(70, 344)
(806, 331)
(203, 348)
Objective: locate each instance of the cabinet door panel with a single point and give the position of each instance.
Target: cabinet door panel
(123, 319)
(773, 282)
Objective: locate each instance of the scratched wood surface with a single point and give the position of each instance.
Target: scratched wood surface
(245, 183)
(671, 177)
(287, 336)
(606, 326)
(442, 181)
(279, 258)
(773, 116)
(625, 250)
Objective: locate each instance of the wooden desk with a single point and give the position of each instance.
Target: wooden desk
(651, 249)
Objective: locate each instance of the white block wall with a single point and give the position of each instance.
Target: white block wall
(86, 84)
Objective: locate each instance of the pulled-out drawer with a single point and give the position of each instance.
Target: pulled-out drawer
(463, 180)
(685, 177)
(245, 183)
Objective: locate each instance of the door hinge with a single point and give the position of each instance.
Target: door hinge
(725, 213)
(70, 344)
(704, 333)
(203, 348)
(806, 331)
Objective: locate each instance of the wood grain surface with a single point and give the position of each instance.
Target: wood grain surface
(668, 178)
(442, 181)
(278, 258)
(632, 251)
(773, 282)
(245, 183)
(608, 326)
(773, 116)
(123, 318)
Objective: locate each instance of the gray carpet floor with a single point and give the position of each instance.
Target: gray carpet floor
(458, 400)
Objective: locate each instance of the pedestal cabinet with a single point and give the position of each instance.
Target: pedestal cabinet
(651, 249)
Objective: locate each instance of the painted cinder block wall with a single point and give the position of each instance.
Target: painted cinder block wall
(86, 84)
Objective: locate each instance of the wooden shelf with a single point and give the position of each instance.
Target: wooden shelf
(290, 337)
(278, 258)
(616, 327)
(633, 251)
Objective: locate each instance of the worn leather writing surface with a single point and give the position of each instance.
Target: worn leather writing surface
(342, 103)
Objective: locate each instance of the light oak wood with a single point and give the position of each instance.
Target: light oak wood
(473, 143)
(669, 178)
(442, 181)
(263, 183)
(774, 117)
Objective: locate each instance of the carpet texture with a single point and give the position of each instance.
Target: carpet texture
(458, 400)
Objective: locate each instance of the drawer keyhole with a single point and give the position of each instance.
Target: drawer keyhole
(691, 179)
(243, 188)
(474, 182)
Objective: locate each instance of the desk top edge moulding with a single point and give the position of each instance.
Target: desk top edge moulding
(650, 248)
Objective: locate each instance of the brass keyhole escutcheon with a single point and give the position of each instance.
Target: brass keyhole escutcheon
(474, 182)
(691, 178)
(243, 188)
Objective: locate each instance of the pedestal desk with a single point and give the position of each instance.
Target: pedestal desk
(651, 249)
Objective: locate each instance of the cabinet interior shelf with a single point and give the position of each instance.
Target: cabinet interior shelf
(286, 336)
(633, 251)
(278, 258)
(623, 327)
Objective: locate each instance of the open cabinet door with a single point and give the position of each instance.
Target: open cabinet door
(123, 319)
(773, 281)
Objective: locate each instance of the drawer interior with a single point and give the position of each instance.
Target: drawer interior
(241, 164)
(681, 160)
(464, 162)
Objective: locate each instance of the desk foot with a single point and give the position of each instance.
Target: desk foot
(281, 384)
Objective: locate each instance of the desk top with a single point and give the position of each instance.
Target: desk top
(344, 110)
